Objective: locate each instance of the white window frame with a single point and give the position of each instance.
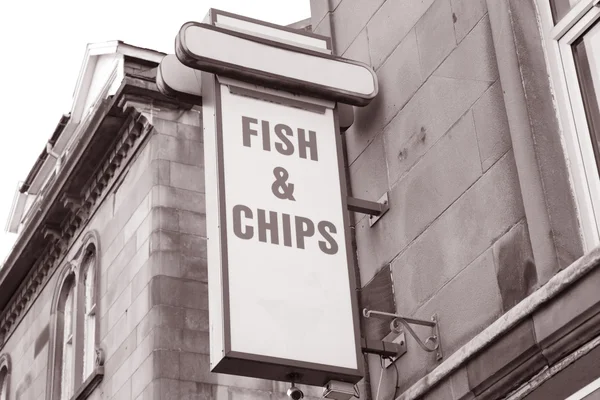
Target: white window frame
(576, 139)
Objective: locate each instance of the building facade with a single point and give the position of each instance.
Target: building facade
(484, 138)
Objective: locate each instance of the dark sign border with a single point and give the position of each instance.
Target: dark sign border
(259, 366)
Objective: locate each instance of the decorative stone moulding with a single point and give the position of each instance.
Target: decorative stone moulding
(61, 238)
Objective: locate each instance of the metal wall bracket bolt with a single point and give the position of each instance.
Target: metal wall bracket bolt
(431, 344)
(375, 209)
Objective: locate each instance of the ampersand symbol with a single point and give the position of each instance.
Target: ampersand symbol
(281, 189)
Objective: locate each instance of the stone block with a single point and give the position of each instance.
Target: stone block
(166, 263)
(115, 360)
(466, 14)
(368, 173)
(515, 267)
(124, 392)
(189, 132)
(433, 110)
(434, 183)
(399, 77)
(119, 307)
(435, 35)
(128, 251)
(560, 316)
(192, 222)
(138, 309)
(359, 49)
(466, 305)
(195, 367)
(504, 355)
(164, 241)
(367, 125)
(491, 124)
(187, 177)
(165, 147)
(192, 245)
(181, 199)
(168, 338)
(474, 58)
(189, 117)
(139, 215)
(348, 20)
(166, 364)
(195, 341)
(161, 170)
(194, 267)
(196, 391)
(115, 337)
(461, 234)
(324, 28)
(441, 391)
(166, 389)
(142, 376)
(165, 218)
(196, 319)
(111, 278)
(178, 292)
(390, 24)
(318, 11)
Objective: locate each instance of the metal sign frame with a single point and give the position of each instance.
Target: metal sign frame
(253, 365)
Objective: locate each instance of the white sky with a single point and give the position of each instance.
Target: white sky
(43, 44)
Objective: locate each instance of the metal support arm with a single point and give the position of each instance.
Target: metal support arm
(375, 209)
(399, 321)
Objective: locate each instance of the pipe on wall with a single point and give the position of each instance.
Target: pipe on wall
(522, 137)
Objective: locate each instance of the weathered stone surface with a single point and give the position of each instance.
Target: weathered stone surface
(187, 177)
(399, 78)
(467, 304)
(390, 24)
(368, 174)
(359, 49)
(474, 58)
(491, 124)
(435, 36)
(466, 14)
(435, 182)
(318, 10)
(324, 28)
(348, 20)
(559, 317)
(515, 267)
(502, 357)
(461, 234)
(438, 104)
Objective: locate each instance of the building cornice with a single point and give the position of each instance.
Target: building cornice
(72, 198)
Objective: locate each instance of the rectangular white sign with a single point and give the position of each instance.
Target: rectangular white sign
(282, 290)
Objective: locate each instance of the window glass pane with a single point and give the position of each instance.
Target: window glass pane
(89, 327)
(3, 386)
(561, 7)
(67, 351)
(586, 51)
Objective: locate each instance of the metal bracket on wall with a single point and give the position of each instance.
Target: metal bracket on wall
(398, 322)
(375, 209)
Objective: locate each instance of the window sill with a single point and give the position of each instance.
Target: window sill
(89, 385)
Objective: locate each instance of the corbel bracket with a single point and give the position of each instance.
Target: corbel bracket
(431, 344)
(375, 209)
(52, 231)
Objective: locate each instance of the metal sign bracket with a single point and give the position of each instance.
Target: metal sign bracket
(375, 209)
(398, 322)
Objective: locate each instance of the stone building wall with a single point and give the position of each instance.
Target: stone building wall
(437, 139)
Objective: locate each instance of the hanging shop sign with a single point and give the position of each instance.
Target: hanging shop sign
(282, 292)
